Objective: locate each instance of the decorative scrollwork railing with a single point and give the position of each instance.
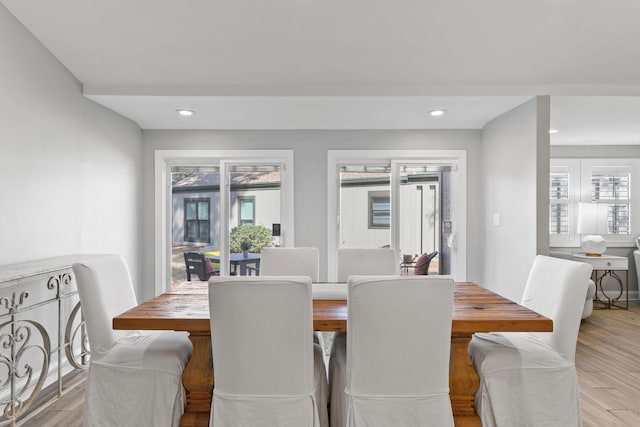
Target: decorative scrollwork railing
(75, 332)
(20, 369)
(42, 333)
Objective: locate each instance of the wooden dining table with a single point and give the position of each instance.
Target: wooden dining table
(475, 309)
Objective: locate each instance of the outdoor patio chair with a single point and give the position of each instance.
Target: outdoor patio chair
(423, 262)
(197, 264)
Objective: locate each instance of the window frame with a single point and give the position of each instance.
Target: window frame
(588, 166)
(241, 199)
(164, 160)
(198, 220)
(371, 195)
(458, 160)
(572, 168)
(580, 175)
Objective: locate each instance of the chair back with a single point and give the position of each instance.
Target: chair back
(422, 263)
(195, 264)
(371, 262)
(261, 333)
(105, 290)
(290, 262)
(399, 336)
(557, 288)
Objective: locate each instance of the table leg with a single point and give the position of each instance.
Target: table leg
(611, 301)
(463, 382)
(197, 379)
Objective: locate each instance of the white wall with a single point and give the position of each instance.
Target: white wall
(310, 158)
(354, 219)
(515, 174)
(69, 169)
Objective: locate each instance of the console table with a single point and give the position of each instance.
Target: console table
(42, 334)
(606, 266)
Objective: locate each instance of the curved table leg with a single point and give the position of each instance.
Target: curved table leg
(611, 301)
(197, 379)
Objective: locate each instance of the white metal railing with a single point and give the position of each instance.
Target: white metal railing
(42, 334)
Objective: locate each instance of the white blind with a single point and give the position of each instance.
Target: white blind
(559, 203)
(613, 189)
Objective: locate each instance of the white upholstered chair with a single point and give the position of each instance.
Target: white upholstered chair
(371, 262)
(591, 292)
(293, 262)
(135, 377)
(399, 380)
(365, 262)
(268, 371)
(526, 378)
(290, 262)
(588, 302)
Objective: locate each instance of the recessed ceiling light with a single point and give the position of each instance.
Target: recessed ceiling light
(437, 113)
(184, 112)
(552, 131)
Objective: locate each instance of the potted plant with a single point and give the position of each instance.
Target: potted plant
(249, 237)
(244, 246)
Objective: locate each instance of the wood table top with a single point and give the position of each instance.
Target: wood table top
(475, 309)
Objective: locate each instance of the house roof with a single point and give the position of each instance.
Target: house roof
(208, 179)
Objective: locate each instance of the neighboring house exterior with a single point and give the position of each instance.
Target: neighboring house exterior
(254, 200)
(365, 212)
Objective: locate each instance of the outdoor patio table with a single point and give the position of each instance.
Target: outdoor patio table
(238, 260)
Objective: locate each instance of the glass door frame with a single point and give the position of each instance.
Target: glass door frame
(166, 159)
(456, 158)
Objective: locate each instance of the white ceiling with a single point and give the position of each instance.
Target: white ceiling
(357, 64)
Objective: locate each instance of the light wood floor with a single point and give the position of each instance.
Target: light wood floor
(608, 361)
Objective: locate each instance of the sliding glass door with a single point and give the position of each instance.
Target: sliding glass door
(252, 213)
(412, 202)
(425, 213)
(221, 207)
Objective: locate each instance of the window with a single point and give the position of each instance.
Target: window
(603, 181)
(412, 201)
(559, 203)
(611, 187)
(219, 176)
(196, 219)
(379, 209)
(246, 207)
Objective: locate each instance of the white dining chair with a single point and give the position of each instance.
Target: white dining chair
(369, 261)
(295, 262)
(135, 377)
(268, 371)
(527, 378)
(399, 380)
(290, 262)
